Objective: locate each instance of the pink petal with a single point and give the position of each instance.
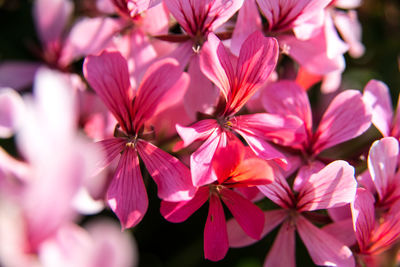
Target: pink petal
(17, 75)
(333, 186)
(286, 97)
(257, 59)
(382, 163)
(215, 234)
(156, 19)
(112, 147)
(126, 194)
(200, 130)
(109, 77)
(227, 159)
(323, 248)
(171, 176)
(348, 4)
(340, 213)
(248, 215)
(363, 213)
(396, 121)
(179, 211)
(305, 172)
(11, 111)
(282, 252)
(346, 118)
(163, 85)
(216, 65)
(343, 231)
(377, 95)
(278, 191)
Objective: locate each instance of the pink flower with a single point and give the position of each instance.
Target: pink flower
(234, 168)
(162, 84)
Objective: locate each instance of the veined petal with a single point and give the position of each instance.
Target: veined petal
(333, 186)
(111, 147)
(108, 75)
(180, 211)
(324, 249)
(346, 118)
(248, 215)
(200, 130)
(171, 176)
(278, 191)
(215, 234)
(126, 194)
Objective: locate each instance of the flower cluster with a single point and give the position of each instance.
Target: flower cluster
(209, 99)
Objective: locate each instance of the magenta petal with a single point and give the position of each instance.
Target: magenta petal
(171, 176)
(215, 234)
(126, 194)
(278, 191)
(346, 118)
(248, 215)
(200, 130)
(282, 252)
(343, 231)
(333, 186)
(112, 147)
(324, 249)
(180, 211)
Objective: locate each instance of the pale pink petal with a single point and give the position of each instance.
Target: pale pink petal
(282, 252)
(342, 230)
(365, 180)
(109, 77)
(331, 81)
(305, 172)
(179, 211)
(307, 26)
(340, 213)
(377, 95)
(111, 147)
(363, 213)
(216, 65)
(183, 53)
(200, 130)
(171, 176)
(248, 215)
(17, 74)
(215, 234)
(126, 194)
(279, 191)
(163, 85)
(333, 186)
(238, 238)
(347, 4)
(382, 163)
(324, 249)
(135, 7)
(287, 97)
(11, 111)
(156, 19)
(346, 118)
(51, 17)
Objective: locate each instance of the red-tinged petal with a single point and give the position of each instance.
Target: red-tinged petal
(238, 238)
(346, 118)
(382, 163)
(111, 147)
(216, 65)
(163, 84)
(324, 249)
(307, 79)
(333, 186)
(248, 215)
(227, 159)
(171, 176)
(278, 191)
(282, 252)
(257, 59)
(343, 231)
(17, 74)
(108, 75)
(280, 129)
(179, 211)
(363, 213)
(11, 112)
(287, 97)
(200, 130)
(377, 95)
(215, 234)
(126, 194)
(251, 172)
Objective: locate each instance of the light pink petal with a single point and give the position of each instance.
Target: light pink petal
(248, 215)
(135, 7)
(346, 118)
(247, 22)
(171, 176)
(363, 213)
(179, 211)
(342, 230)
(17, 74)
(305, 172)
(340, 213)
(333, 186)
(348, 4)
(287, 97)
(215, 234)
(377, 95)
(257, 59)
(109, 77)
(382, 163)
(156, 19)
(183, 53)
(331, 81)
(163, 85)
(324, 249)
(216, 65)
(282, 252)
(111, 147)
(126, 194)
(365, 180)
(335, 46)
(238, 238)
(200, 130)
(278, 191)
(11, 111)
(51, 17)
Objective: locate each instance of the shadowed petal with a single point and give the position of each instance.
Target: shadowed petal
(343, 231)
(282, 252)
(112, 147)
(17, 74)
(278, 191)
(200, 130)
